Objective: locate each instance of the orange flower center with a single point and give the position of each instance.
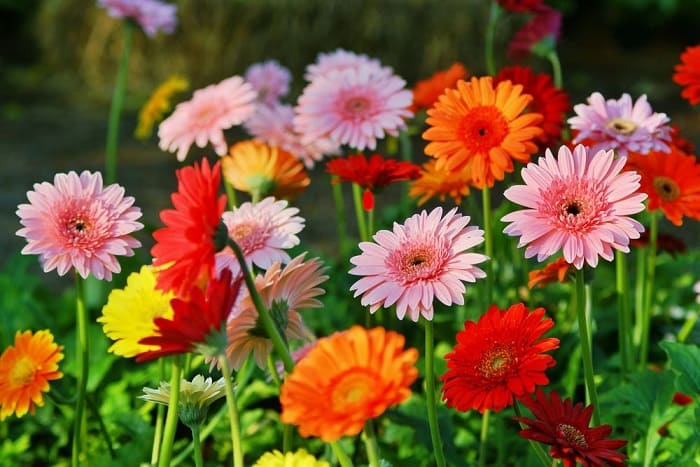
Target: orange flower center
(352, 388)
(496, 362)
(482, 128)
(622, 126)
(667, 189)
(240, 231)
(22, 372)
(572, 435)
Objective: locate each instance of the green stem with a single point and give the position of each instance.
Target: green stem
(648, 289)
(406, 150)
(160, 412)
(541, 454)
(687, 327)
(494, 12)
(230, 194)
(623, 315)
(430, 399)
(233, 417)
(197, 446)
(343, 458)
(103, 428)
(166, 450)
(556, 68)
(115, 109)
(488, 243)
(340, 218)
(370, 438)
(639, 300)
(286, 428)
(370, 223)
(585, 339)
(483, 438)
(82, 352)
(359, 212)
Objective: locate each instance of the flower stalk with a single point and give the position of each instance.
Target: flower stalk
(83, 356)
(430, 397)
(233, 416)
(171, 419)
(585, 339)
(649, 289)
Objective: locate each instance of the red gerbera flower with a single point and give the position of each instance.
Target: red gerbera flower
(198, 323)
(497, 358)
(564, 426)
(547, 100)
(184, 248)
(687, 74)
(520, 6)
(664, 242)
(545, 25)
(427, 91)
(373, 174)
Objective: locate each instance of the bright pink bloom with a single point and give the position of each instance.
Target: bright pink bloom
(340, 60)
(270, 80)
(77, 223)
(542, 29)
(423, 259)
(204, 118)
(576, 203)
(151, 15)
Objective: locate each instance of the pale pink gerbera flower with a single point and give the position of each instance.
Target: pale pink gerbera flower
(263, 230)
(423, 259)
(77, 223)
(620, 125)
(284, 291)
(354, 107)
(204, 118)
(576, 203)
(341, 60)
(270, 80)
(151, 15)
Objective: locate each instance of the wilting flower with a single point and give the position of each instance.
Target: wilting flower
(340, 60)
(687, 74)
(564, 426)
(483, 128)
(204, 118)
(300, 458)
(25, 371)
(672, 181)
(440, 183)
(557, 270)
(270, 80)
(184, 248)
(426, 92)
(77, 223)
(520, 6)
(348, 378)
(372, 174)
(158, 105)
(151, 15)
(538, 36)
(664, 243)
(577, 203)
(129, 313)
(621, 125)
(500, 357)
(262, 170)
(195, 397)
(422, 260)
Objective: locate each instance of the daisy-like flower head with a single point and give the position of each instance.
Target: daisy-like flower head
(440, 183)
(348, 378)
(422, 260)
(184, 248)
(151, 15)
(687, 74)
(263, 230)
(500, 357)
(577, 203)
(564, 426)
(158, 104)
(621, 125)
(284, 292)
(426, 92)
(483, 128)
(78, 223)
(270, 80)
(520, 6)
(25, 371)
(672, 181)
(204, 118)
(300, 458)
(129, 313)
(355, 107)
(557, 270)
(341, 60)
(538, 36)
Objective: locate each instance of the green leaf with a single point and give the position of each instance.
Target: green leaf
(685, 363)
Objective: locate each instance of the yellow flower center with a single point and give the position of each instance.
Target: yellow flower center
(572, 435)
(496, 362)
(667, 189)
(240, 231)
(352, 388)
(622, 126)
(23, 372)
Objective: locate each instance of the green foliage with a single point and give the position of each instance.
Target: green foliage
(685, 363)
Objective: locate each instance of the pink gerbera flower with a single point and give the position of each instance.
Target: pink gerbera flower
(270, 80)
(204, 118)
(576, 203)
(77, 223)
(340, 60)
(151, 15)
(423, 259)
(621, 125)
(354, 107)
(263, 231)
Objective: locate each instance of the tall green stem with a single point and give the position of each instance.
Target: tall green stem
(233, 417)
(406, 150)
(82, 352)
(494, 12)
(230, 194)
(430, 398)
(160, 413)
(639, 279)
(649, 289)
(115, 109)
(343, 458)
(483, 438)
(370, 438)
(488, 243)
(556, 68)
(585, 339)
(171, 419)
(340, 223)
(623, 314)
(359, 212)
(370, 224)
(197, 446)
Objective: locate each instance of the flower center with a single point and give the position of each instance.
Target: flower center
(411, 263)
(205, 114)
(573, 208)
(22, 372)
(250, 236)
(574, 205)
(622, 126)
(352, 388)
(572, 435)
(482, 128)
(357, 106)
(667, 189)
(496, 362)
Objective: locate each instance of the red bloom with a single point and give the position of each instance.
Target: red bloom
(520, 6)
(547, 100)
(198, 323)
(564, 426)
(184, 248)
(664, 242)
(682, 399)
(557, 270)
(687, 74)
(427, 91)
(544, 25)
(497, 358)
(680, 142)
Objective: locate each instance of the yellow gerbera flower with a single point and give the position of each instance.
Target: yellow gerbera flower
(440, 183)
(158, 104)
(301, 458)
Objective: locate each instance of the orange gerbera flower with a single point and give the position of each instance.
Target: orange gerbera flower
(427, 91)
(347, 379)
(25, 371)
(262, 170)
(441, 183)
(672, 181)
(557, 270)
(481, 127)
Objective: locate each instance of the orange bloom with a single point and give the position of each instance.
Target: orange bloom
(347, 379)
(440, 183)
(262, 170)
(25, 371)
(427, 91)
(556, 270)
(672, 181)
(483, 128)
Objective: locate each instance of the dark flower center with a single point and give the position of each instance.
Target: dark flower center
(573, 208)
(572, 435)
(667, 189)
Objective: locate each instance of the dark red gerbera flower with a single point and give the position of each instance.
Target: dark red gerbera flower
(184, 249)
(372, 174)
(564, 426)
(681, 142)
(497, 358)
(687, 74)
(547, 100)
(520, 6)
(427, 91)
(664, 242)
(545, 25)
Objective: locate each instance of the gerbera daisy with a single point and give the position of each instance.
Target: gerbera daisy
(541, 31)
(263, 231)
(270, 80)
(687, 74)
(557, 270)
(481, 127)
(284, 292)
(128, 315)
(422, 260)
(77, 223)
(355, 106)
(151, 15)
(184, 248)
(158, 104)
(576, 203)
(680, 142)
(348, 378)
(520, 6)
(204, 118)
(300, 458)
(195, 397)
(262, 170)
(672, 181)
(426, 92)
(373, 173)
(621, 125)
(25, 371)
(340, 60)
(440, 183)
(565, 427)
(664, 243)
